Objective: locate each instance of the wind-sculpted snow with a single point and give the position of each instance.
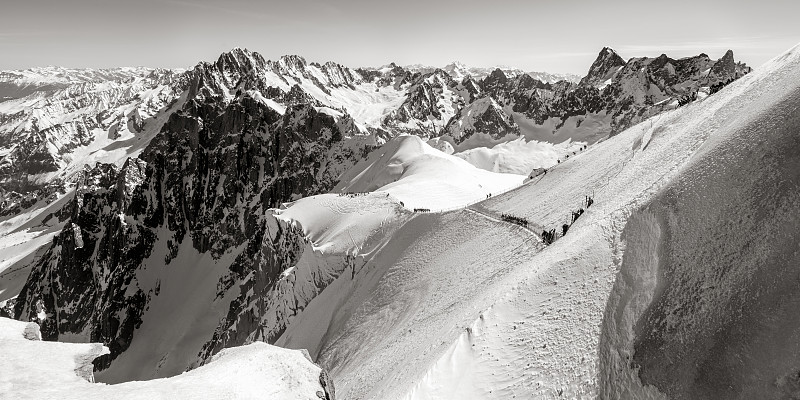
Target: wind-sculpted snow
(421, 177)
(378, 328)
(250, 372)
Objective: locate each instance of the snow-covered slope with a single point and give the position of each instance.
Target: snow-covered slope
(344, 224)
(422, 177)
(519, 156)
(23, 238)
(710, 276)
(434, 313)
(33, 369)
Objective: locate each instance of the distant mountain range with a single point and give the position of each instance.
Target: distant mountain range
(459, 71)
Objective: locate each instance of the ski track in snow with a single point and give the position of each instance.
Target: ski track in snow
(494, 218)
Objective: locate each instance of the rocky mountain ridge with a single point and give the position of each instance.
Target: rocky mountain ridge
(41, 134)
(202, 186)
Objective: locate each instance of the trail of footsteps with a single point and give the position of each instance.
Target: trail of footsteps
(497, 219)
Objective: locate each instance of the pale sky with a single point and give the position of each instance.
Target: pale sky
(553, 36)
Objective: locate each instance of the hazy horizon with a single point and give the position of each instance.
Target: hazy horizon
(544, 36)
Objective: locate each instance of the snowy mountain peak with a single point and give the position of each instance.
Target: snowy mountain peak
(457, 70)
(232, 138)
(725, 65)
(495, 79)
(606, 63)
(292, 62)
(230, 68)
(241, 57)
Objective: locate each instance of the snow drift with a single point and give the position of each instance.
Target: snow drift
(423, 177)
(256, 371)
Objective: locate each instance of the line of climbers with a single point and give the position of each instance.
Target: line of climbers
(514, 219)
(687, 99)
(550, 236)
(566, 156)
(355, 194)
(719, 85)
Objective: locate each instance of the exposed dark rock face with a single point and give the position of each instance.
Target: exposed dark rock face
(395, 77)
(622, 93)
(496, 80)
(7, 309)
(603, 67)
(84, 280)
(428, 106)
(472, 87)
(208, 178)
(327, 385)
(18, 196)
(483, 115)
(339, 75)
(274, 246)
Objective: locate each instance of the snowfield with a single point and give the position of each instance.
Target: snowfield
(33, 369)
(344, 224)
(519, 156)
(422, 177)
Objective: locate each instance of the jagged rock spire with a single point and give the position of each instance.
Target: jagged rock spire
(606, 63)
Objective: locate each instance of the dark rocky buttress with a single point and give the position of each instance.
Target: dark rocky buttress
(208, 178)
